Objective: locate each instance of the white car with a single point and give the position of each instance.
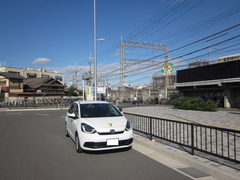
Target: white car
(97, 125)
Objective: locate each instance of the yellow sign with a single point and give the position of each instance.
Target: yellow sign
(88, 91)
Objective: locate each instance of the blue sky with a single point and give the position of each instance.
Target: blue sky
(58, 34)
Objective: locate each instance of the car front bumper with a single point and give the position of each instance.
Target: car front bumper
(96, 145)
(96, 142)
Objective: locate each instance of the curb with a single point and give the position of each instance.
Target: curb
(221, 173)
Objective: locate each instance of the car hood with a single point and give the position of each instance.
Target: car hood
(106, 122)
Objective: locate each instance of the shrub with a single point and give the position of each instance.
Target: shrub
(194, 103)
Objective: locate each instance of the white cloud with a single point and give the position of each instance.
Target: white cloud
(69, 72)
(41, 61)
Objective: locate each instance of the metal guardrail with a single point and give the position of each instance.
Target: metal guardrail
(221, 142)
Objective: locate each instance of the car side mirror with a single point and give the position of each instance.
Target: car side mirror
(72, 115)
(120, 109)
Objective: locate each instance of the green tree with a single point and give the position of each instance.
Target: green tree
(71, 91)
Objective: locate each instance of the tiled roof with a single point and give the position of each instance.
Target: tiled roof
(37, 82)
(11, 75)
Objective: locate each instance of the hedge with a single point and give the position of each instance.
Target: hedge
(194, 103)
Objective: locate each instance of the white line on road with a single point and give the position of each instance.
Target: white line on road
(42, 114)
(13, 113)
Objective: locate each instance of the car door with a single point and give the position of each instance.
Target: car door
(69, 120)
(74, 121)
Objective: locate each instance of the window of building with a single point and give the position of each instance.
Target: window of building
(31, 75)
(44, 75)
(14, 72)
(58, 78)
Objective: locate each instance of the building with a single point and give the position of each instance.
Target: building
(10, 84)
(221, 81)
(43, 87)
(160, 81)
(33, 73)
(199, 62)
(233, 57)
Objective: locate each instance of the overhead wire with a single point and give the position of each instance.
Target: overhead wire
(148, 25)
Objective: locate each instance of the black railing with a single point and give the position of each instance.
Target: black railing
(221, 142)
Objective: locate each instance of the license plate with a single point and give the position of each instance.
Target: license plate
(112, 142)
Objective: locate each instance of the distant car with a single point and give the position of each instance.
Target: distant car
(97, 125)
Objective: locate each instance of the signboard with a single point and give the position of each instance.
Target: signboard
(92, 89)
(89, 93)
(101, 89)
(167, 69)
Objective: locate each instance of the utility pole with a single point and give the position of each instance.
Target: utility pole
(90, 71)
(72, 80)
(135, 61)
(167, 77)
(76, 75)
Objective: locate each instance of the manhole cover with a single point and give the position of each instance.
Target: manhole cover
(193, 172)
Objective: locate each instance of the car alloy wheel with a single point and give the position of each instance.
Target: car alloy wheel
(77, 144)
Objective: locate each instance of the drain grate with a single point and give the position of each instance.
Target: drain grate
(193, 172)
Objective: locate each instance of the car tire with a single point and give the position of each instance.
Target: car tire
(77, 144)
(66, 131)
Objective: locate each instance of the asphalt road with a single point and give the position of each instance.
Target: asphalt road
(33, 146)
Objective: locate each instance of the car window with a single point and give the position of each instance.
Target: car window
(75, 110)
(98, 110)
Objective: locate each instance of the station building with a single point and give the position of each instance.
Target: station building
(220, 81)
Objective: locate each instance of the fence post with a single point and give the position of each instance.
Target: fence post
(192, 139)
(150, 128)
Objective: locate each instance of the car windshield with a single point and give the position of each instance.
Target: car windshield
(98, 110)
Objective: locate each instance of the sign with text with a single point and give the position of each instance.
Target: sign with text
(101, 89)
(89, 93)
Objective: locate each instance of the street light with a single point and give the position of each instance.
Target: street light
(210, 53)
(95, 58)
(95, 53)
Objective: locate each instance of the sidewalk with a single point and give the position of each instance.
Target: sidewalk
(223, 118)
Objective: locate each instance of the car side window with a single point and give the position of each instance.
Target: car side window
(75, 110)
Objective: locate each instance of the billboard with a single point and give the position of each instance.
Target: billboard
(101, 89)
(89, 93)
(167, 69)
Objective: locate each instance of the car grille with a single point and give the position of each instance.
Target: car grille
(96, 145)
(108, 133)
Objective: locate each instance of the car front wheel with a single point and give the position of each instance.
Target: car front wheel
(77, 144)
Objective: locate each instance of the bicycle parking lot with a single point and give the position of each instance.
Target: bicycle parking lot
(39, 103)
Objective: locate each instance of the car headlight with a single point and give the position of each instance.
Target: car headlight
(128, 126)
(87, 129)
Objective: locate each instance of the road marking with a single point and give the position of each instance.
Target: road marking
(63, 116)
(13, 113)
(42, 114)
